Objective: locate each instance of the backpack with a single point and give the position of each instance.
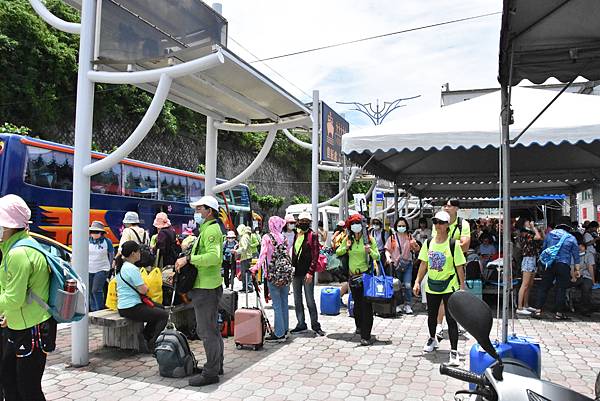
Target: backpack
(548, 255)
(280, 269)
(65, 307)
(322, 258)
(473, 270)
(146, 256)
(173, 354)
(185, 278)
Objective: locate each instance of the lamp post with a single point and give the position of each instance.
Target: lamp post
(377, 116)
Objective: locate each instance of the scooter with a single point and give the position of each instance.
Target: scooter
(506, 379)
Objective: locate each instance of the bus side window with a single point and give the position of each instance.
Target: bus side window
(49, 168)
(107, 182)
(172, 187)
(140, 182)
(195, 189)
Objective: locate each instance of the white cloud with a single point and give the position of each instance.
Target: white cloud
(464, 54)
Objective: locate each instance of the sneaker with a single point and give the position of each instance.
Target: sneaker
(399, 309)
(200, 380)
(431, 345)
(523, 312)
(319, 332)
(287, 334)
(530, 309)
(298, 330)
(408, 310)
(272, 338)
(454, 359)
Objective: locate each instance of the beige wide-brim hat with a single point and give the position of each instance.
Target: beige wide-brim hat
(97, 226)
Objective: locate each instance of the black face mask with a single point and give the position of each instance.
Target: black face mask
(304, 226)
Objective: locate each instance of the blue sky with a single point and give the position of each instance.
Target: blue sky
(416, 63)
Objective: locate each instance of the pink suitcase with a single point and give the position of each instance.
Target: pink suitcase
(250, 327)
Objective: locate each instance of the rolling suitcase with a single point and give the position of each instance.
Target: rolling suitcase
(250, 327)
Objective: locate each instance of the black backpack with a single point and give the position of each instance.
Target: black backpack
(173, 354)
(185, 279)
(146, 256)
(473, 270)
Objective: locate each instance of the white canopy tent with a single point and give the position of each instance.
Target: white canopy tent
(454, 150)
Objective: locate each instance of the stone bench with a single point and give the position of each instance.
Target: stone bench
(122, 333)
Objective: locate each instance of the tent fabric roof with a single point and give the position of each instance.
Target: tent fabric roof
(558, 154)
(550, 38)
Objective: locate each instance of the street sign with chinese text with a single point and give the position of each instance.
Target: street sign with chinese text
(333, 126)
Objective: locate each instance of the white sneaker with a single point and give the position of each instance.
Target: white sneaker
(524, 312)
(408, 310)
(530, 309)
(431, 345)
(454, 358)
(399, 309)
(438, 330)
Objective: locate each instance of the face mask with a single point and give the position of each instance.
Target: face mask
(377, 227)
(230, 239)
(356, 228)
(291, 226)
(198, 218)
(304, 226)
(401, 229)
(1, 233)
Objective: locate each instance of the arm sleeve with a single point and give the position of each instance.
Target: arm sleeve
(314, 250)
(575, 251)
(459, 256)
(374, 251)
(211, 239)
(244, 243)
(342, 248)
(423, 252)
(111, 250)
(388, 244)
(19, 268)
(264, 250)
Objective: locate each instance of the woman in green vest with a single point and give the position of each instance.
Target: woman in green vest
(360, 253)
(443, 261)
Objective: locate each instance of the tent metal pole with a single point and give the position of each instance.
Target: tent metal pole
(506, 222)
(396, 211)
(315, 160)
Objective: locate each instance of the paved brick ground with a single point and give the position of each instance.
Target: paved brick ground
(330, 368)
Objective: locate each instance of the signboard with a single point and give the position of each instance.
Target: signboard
(360, 203)
(333, 126)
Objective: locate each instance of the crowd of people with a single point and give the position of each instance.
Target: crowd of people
(427, 262)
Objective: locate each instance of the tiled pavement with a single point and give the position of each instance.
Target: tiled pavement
(330, 368)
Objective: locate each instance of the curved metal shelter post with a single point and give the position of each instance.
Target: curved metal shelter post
(196, 74)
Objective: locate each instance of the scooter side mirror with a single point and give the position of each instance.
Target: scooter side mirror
(475, 316)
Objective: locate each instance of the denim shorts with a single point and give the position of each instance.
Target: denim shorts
(528, 264)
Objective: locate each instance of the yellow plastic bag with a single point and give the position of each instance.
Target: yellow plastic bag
(111, 297)
(154, 282)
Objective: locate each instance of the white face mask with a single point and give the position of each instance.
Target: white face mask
(291, 226)
(1, 233)
(376, 227)
(198, 218)
(401, 229)
(356, 228)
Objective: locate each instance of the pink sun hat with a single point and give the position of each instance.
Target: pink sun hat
(14, 212)
(161, 220)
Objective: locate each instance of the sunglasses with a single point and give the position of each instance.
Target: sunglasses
(438, 221)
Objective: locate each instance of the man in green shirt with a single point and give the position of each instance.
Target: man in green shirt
(30, 329)
(206, 256)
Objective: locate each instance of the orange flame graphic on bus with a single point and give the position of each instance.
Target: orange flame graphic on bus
(59, 222)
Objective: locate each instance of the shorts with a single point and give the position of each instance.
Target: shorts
(528, 264)
(589, 258)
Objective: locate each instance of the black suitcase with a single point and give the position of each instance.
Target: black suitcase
(389, 309)
(227, 307)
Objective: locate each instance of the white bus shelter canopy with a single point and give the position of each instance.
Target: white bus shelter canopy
(560, 153)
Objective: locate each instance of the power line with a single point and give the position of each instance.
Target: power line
(271, 68)
(377, 36)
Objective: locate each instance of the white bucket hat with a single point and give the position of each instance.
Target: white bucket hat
(131, 218)
(305, 215)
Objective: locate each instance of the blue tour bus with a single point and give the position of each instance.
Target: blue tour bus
(41, 172)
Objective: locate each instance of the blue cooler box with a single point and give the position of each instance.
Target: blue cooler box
(475, 287)
(481, 360)
(528, 351)
(330, 301)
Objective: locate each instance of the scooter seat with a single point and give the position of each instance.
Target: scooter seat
(512, 365)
